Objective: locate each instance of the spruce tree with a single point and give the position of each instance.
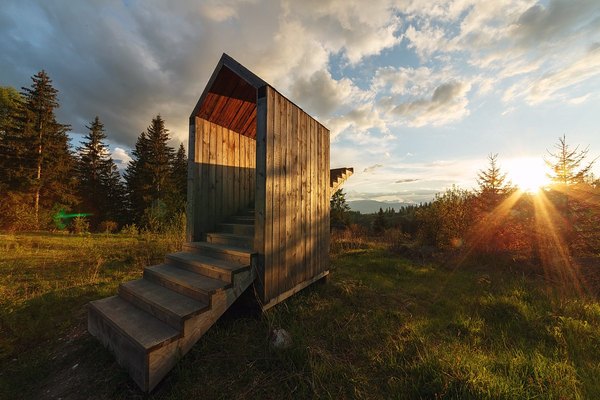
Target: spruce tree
(339, 210)
(493, 185)
(41, 162)
(566, 164)
(100, 186)
(10, 106)
(179, 169)
(380, 222)
(149, 177)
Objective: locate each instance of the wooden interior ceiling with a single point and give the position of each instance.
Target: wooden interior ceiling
(231, 103)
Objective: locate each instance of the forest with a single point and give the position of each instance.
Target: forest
(48, 185)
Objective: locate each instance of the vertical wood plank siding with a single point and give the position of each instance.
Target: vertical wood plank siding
(292, 225)
(223, 176)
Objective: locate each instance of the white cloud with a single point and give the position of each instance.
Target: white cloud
(426, 41)
(583, 69)
(120, 157)
(580, 99)
(321, 95)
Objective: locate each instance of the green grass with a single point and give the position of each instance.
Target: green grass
(383, 327)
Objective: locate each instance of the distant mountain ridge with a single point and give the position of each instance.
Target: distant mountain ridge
(373, 206)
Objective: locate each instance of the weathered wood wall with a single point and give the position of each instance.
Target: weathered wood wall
(221, 180)
(292, 196)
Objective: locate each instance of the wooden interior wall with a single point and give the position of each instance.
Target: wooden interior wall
(292, 229)
(222, 176)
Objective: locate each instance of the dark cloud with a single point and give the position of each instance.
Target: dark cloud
(407, 180)
(558, 20)
(448, 103)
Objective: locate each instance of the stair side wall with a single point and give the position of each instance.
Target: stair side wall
(161, 361)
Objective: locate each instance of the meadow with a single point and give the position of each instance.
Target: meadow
(382, 326)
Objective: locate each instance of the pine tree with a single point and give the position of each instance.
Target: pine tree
(570, 190)
(380, 223)
(100, 186)
(10, 106)
(179, 169)
(339, 210)
(134, 179)
(565, 164)
(149, 177)
(40, 164)
(493, 185)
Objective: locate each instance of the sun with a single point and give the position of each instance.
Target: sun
(528, 173)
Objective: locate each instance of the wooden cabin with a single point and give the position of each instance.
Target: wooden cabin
(259, 186)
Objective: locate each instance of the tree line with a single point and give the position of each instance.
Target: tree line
(497, 217)
(45, 183)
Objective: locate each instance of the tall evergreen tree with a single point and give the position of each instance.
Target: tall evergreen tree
(380, 222)
(100, 186)
(566, 164)
(40, 162)
(149, 177)
(180, 177)
(493, 185)
(569, 188)
(339, 209)
(10, 106)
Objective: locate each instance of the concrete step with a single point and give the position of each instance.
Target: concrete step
(223, 270)
(219, 251)
(239, 229)
(185, 282)
(231, 239)
(163, 303)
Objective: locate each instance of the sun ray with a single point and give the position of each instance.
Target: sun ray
(552, 250)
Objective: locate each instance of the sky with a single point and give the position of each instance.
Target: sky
(416, 93)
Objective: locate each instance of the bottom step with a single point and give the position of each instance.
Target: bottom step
(147, 347)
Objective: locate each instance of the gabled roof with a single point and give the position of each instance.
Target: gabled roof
(229, 98)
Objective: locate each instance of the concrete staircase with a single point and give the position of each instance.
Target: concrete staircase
(154, 321)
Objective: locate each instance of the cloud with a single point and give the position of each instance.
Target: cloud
(321, 95)
(561, 19)
(372, 168)
(120, 157)
(580, 99)
(447, 104)
(138, 59)
(359, 121)
(406, 180)
(426, 40)
(583, 69)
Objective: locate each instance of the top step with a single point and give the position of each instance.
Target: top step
(220, 251)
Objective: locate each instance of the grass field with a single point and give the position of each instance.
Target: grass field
(382, 327)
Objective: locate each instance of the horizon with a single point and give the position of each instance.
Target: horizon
(415, 96)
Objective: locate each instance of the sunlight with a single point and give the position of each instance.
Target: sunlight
(528, 173)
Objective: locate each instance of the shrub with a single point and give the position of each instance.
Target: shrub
(108, 226)
(130, 230)
(80, 225)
